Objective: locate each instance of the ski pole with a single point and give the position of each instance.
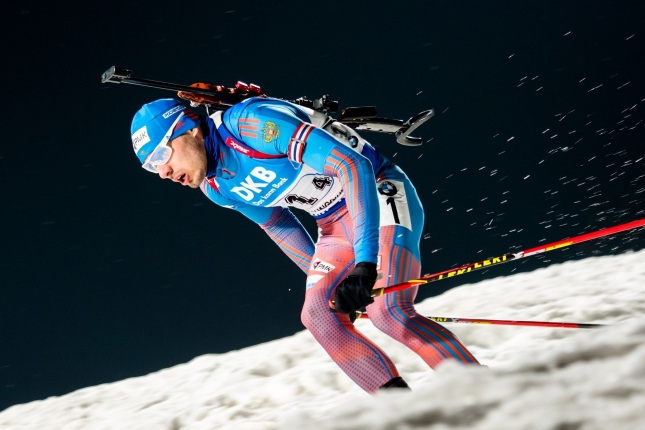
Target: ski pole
(426, 279)
(506, 322)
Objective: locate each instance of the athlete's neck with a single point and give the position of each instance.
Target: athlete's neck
(211, 142)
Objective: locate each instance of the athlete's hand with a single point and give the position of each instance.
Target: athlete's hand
(355, 290)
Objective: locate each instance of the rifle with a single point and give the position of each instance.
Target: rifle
(218, 97)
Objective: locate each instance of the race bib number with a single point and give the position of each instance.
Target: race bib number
(393, 204)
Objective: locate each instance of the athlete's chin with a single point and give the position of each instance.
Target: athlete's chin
(196, 180)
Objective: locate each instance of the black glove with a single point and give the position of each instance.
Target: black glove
(355, 290)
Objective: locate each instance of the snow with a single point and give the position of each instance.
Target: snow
(537, 378)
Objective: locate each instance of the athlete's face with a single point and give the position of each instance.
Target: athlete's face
(187, 164)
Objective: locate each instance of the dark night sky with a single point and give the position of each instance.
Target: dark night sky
(107, 272)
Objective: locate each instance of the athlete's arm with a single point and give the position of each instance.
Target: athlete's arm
(279, 223)
(327, 155)
(287, 232)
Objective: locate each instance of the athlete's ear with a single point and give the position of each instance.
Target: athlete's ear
(196, 132)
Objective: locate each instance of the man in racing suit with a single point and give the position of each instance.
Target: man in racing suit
(263, 156)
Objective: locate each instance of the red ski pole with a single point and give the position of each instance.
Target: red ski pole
(426, 279)
(506, 322)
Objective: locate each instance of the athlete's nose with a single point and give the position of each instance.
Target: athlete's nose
(164, 171)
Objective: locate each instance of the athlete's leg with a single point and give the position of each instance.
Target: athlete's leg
(363, 361)
(399, 256)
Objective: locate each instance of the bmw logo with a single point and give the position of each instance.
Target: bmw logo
(387, 188)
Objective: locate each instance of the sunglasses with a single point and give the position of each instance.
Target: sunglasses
(162, 152)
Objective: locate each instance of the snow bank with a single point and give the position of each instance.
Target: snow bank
(538, 378)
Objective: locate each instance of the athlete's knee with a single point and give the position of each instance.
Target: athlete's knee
(383, 316)
(315, 316)
(308, 315)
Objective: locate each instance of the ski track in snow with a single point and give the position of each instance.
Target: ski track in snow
(538, 378)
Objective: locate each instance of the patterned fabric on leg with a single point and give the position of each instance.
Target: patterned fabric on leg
(395, 315)
(363, 361)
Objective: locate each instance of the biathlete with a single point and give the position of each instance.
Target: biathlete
(263, 156)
